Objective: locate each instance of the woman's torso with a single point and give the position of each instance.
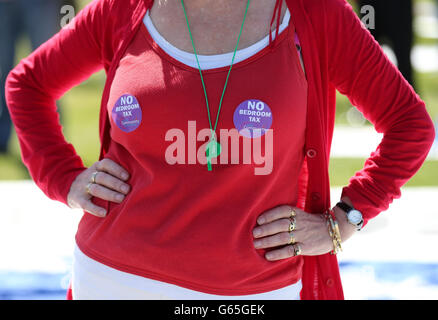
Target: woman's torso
(181, 223)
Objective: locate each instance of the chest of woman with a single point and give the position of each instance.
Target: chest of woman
(215, 26)
(158, 107)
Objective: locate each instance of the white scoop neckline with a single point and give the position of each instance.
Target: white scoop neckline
(210, 61)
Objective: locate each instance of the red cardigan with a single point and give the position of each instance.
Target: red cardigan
(338, 54)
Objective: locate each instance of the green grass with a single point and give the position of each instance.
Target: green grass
(12, 168)
(80, 117)
(342, 169)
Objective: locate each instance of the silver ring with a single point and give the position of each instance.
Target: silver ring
(93, 176)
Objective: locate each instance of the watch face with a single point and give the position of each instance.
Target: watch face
(355, 217)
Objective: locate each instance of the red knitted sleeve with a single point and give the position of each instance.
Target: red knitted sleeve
(33, 86)
(360, 70)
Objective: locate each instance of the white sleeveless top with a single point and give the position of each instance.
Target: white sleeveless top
(210, 61)
(96, 281)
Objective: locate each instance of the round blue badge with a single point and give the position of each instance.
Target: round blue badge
(127, 113)
(252, 118)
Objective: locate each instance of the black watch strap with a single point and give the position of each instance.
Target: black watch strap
(344, 206)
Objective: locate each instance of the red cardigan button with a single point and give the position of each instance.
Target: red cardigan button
(330, 282)
(311, 153)
(316, 196)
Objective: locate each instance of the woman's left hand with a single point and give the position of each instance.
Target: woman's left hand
(311, 233)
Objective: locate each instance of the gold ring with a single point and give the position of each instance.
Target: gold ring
(87, 188)
(292, 239)
(292, 225)
(93, 176)
(292, 213)
(297, 250)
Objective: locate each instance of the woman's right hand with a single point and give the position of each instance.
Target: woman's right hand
(109, 184)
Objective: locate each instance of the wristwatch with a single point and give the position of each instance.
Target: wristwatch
(354, 216)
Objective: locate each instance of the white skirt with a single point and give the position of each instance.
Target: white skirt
(92, 280)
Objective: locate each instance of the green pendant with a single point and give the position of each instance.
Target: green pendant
(213, 150)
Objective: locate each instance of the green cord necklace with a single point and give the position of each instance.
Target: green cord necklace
(213, 148)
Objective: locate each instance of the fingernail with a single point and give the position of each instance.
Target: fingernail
(257, 244)
(125, 188)
(102, 213)
(261, 220)
(269, 256)
(257, 232)
(120, 197)
(125, 176)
